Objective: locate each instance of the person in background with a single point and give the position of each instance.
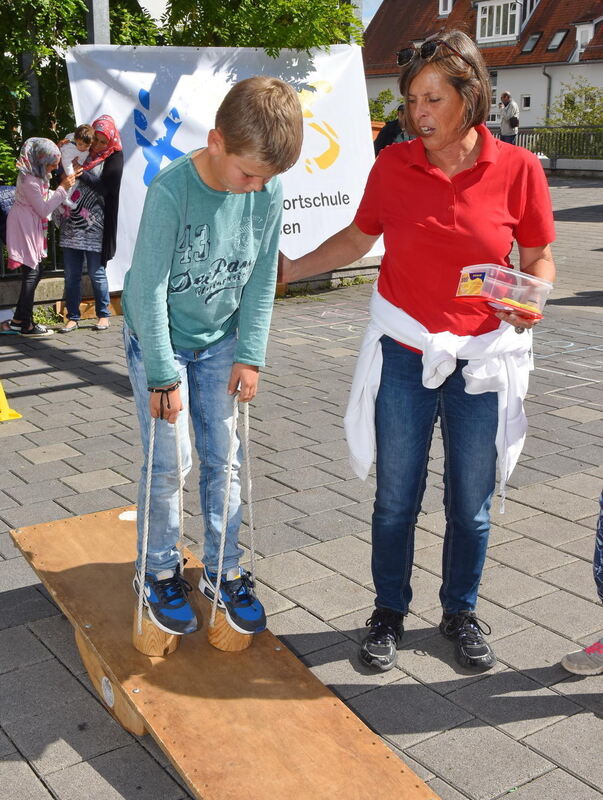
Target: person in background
(453, 197)
(392, 132)
(27, 225)
(75, 147)
(590, 660)
(509, 118)
(89, 230)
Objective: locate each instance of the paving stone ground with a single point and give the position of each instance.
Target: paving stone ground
(527, 729)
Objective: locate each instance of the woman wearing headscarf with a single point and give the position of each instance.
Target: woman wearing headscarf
(90, 229)
(27, 224)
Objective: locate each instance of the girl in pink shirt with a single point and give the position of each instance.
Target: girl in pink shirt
(26, 226)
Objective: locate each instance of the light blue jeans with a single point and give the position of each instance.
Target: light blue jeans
(73, 265)
(204, 375)
(405, 415)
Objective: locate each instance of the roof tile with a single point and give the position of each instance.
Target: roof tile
(399, 22)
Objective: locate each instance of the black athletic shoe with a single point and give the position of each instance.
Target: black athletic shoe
(471, 648)
(379, 647)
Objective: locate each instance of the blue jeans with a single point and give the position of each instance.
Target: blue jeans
(598, 559)
(73, 263)
(204, 375)
(405, 416)
(510, 138)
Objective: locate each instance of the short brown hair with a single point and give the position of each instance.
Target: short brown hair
(85, 133)
(261, 118)
(471, 82)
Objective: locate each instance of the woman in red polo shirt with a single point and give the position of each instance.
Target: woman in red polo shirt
(452, 197)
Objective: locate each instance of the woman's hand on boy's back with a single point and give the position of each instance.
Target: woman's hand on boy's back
(244, 378)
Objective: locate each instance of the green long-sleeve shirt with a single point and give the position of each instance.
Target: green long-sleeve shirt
(204, 265)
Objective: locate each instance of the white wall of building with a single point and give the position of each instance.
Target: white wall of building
(520, 82)
(376, 85)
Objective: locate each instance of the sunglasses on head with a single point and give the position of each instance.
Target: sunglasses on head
(426, 51)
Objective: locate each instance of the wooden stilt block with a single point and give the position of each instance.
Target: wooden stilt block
(109, 691)
(224, 637)
(153, 641)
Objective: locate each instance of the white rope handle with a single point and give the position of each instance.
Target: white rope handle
(231, 454)
(180, 495)
(145, 531)
(249, 487)
(147, 501)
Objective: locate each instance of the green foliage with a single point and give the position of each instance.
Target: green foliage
(378, 104)
(130, 24)
(269, 24)
(579, 103)
(28, 32)
(357, 280)
(46, 315)
(35, 33)
(33, 36)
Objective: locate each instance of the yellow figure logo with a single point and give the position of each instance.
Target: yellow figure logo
(307, 99)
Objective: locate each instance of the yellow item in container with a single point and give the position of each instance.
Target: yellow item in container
(503, 288)
(471, 287)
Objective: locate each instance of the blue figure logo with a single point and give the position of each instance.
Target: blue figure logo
(163, 147)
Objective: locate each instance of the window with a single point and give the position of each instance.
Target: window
(445, 7)
(497, 21)
(557, 40)
(526, 102)
(493, 116)
(528, 8)
(531, 42)
(493, 84)
(584, 33)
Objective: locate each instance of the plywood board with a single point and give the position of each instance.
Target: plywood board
(256, 723)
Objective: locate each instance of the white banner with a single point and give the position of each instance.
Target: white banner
(164, 100)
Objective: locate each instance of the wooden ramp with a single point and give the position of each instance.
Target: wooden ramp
(256, 724)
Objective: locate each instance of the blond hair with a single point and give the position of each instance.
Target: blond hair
(471, 82)
(261, 118)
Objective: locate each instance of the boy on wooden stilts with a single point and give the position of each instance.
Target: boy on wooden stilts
(197, 303)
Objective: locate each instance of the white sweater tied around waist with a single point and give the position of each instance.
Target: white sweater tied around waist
(499, 361)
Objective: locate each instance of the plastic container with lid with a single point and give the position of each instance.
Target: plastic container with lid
(504, 288)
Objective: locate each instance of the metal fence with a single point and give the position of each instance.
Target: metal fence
(569, 142)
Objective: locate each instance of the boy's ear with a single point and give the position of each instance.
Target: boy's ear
(215, 142)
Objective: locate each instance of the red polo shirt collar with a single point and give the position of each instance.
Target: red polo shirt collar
(488, 153)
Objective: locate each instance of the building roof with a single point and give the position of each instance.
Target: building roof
(399, 22)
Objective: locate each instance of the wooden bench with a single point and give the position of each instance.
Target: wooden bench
(255, 724)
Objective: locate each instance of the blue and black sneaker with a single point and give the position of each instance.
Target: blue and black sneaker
(165, 596)
(237, 599)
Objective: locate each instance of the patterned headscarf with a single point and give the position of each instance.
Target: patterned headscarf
(106, 126)
(35, 156)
